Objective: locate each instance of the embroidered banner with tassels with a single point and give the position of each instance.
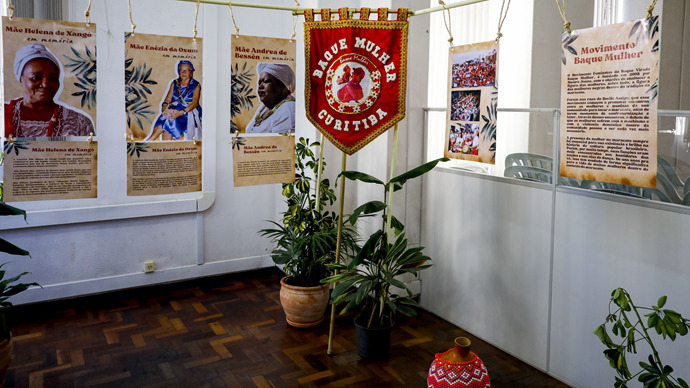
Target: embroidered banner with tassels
(356, 75)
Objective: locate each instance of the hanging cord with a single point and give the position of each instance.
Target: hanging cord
(294, 23)
(237, 30)
(566, 23)
(10, 9)
(501, 19)
(129, 2)
(196, 15)
(87, 14)
(446, 10)
(650, 9)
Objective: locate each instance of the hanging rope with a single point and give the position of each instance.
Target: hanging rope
(502, 18)
(566, 23)
(294, 23)
(196, 15)
(650, 9)
(10, 9)
(232, 16)
(446, 10)
(129, 2)
(87, 14)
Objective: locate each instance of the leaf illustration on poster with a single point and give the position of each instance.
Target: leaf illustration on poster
(16, 145)
(471, 120)
(262, 85)
(83, 66)
(241, 92)
(609, 103)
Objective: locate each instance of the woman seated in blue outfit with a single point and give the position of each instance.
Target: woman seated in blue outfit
(181, 112)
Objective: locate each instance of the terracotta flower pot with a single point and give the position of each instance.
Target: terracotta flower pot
(5, 358)
(303, 306)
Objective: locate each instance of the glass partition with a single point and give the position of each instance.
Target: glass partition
(527, 143)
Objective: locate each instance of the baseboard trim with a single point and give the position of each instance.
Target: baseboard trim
(134, 280)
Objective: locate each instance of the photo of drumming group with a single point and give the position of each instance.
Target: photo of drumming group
(470, 125)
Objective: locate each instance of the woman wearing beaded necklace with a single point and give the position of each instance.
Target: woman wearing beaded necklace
(38, 113)
(275, 86)
(180, 109)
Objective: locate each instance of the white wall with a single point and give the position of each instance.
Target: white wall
(530, 268)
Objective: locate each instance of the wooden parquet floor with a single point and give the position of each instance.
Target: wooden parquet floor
(225, 331)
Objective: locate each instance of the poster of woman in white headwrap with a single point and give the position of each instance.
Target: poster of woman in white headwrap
(49, 95)
(49, 76)
(263, 85)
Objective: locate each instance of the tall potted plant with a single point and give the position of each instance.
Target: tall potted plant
(366, 282)
(306, 240)
(8, 287)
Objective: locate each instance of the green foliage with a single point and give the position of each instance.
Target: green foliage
(16, 145)
(241, 92)
(10, 286)
(366, 281)
(306, 239)
(629, 328)
(83, 66)
(136, 93)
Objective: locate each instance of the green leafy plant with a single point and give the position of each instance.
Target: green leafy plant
(306, 238)
(9, 286)
(137, 80)
(629, 328)
(366, 281)
(83, 66)
(241, 92)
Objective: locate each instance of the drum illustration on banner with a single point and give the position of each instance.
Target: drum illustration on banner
(356, 75)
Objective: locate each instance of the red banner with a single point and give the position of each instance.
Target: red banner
(356, 75)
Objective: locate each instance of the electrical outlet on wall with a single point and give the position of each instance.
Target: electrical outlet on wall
(149, 266)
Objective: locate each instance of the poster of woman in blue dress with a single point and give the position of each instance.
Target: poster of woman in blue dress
(180, 110)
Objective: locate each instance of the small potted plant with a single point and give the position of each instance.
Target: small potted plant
(8, 287)
(367, 281)
(306, 241)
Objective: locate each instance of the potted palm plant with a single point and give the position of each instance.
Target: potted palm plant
(367, 282)
(306, 240)
(8, 287)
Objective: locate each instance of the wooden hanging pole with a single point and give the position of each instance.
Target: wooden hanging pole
(196, 16)
(394, 157)
(300, 10)
(338, 243)
(319, 171)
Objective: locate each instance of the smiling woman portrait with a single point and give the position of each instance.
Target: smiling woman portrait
(38, 113)
(275, 87)
(180, 110)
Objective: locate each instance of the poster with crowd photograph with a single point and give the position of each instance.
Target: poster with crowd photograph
(262, 160)
(49, 94)
(262, 85)
(163, 106)
(472, 101)
(609, 86)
